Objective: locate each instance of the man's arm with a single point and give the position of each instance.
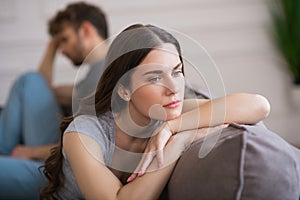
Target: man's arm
(63, 93)
(46, 66)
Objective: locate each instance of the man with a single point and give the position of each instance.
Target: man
(29, 123)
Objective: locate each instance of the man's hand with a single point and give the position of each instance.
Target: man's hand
(23, 152)
(63, 94)
(32, 153)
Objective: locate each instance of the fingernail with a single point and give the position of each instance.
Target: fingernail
(160, 165)
(129, 179)
(140, 172)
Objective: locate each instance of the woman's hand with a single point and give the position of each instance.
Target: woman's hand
(153, 149)
(157, 143)
(191, 136)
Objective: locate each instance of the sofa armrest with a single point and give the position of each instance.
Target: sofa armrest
(247, 162)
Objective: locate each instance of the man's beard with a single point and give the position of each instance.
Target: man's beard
(77, 63)
(79, 59)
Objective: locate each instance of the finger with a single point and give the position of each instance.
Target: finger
(160, 158)
(143, 158)
(145, 163)
(131, 177)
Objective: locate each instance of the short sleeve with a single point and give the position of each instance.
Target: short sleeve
(90, 126)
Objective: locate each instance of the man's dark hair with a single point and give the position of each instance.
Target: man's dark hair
(75, 14)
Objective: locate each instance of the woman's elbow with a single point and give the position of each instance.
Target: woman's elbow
(263, 106)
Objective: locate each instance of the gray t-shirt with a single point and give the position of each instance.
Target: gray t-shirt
(85, 87)
(102, 130)
(89, 84)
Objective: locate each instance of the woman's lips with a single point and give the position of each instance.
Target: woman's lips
(173, 104)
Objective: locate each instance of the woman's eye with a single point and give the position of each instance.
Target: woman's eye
(154, 79)
(177, 73)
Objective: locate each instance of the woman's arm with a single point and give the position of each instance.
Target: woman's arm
(198, 113)
(234, 108)
(149, 185)
(96, 181)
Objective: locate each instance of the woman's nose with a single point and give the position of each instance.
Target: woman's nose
(172, 86)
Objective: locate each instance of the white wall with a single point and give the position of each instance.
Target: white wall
(236, 33)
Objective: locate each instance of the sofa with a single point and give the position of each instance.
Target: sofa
(247, 162)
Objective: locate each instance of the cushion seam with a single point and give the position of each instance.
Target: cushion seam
(296, 167)
(241, 168)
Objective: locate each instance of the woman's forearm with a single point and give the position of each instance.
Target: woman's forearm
(234, 108)
(151, 184)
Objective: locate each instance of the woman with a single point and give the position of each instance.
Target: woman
(140, 94)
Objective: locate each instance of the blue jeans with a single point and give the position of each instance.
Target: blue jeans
(30, 117)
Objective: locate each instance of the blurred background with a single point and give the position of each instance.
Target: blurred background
(235, 33)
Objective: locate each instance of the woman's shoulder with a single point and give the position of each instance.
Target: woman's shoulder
(91, 124)
(99, 128)
(89, 119)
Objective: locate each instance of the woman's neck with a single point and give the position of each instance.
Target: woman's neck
(140, 128)
(128, 142)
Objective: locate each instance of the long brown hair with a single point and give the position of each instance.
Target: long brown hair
(127, 50)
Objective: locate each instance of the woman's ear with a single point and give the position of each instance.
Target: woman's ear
(123, 93)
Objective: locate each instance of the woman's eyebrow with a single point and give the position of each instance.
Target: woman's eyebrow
(160, 71)
(177, 66)
(154, 72)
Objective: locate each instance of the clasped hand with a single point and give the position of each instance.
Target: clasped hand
(161, 137)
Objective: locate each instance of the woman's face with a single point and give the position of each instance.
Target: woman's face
(157, 86)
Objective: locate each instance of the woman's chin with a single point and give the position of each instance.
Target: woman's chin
(166, 115)
(172, 115)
